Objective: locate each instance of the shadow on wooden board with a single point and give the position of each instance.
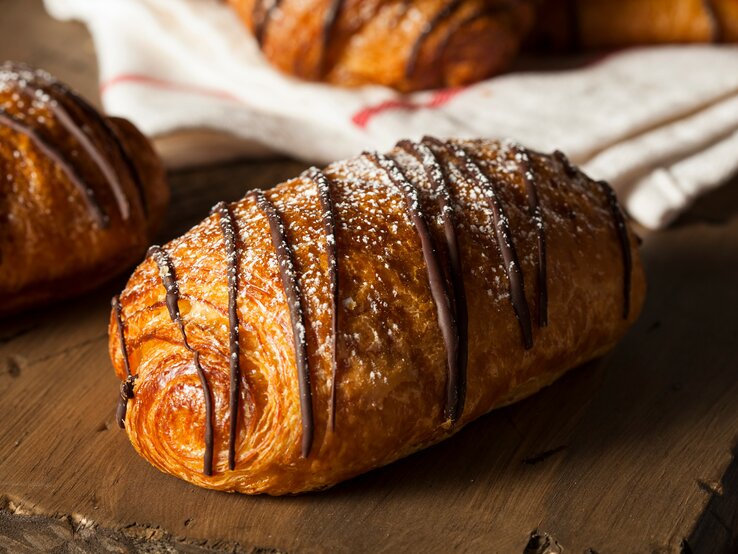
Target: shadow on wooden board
(716, 207)
(716, 529)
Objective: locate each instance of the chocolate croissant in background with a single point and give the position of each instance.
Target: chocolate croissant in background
(81, 193)
(407, 45)
(354, 315)
(615, 23)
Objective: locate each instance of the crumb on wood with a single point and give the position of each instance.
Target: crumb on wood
(541, 542)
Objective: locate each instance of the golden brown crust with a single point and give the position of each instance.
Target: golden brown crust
(615, 23)
(70, 221)
(425, 44)
(392, 370)
(405, 45)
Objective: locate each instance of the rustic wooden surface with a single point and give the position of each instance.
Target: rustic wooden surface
(632, 453)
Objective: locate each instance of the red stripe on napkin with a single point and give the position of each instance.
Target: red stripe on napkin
(155, 82)
(438, 99)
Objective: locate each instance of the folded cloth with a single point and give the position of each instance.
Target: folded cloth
(660, 124)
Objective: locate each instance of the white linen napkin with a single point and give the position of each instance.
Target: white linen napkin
(660, 124)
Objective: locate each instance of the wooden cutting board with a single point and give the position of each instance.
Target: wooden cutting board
(632, 453)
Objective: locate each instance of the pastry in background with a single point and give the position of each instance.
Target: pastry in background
(407, 45)
(80, 194)
(354, 315)
(575, 24)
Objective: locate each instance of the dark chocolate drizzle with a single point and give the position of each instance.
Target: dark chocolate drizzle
(620, 227)
(127, 160)
(231, 253)
(456, 384)
(120, 146)
(329, 24)
(74, 129)
(125, 394)
(716, 24)
(438, 284)
(324, 184)
(262, 16)
(293, 293)
(169, 281)
(451, 30)
(446, 10)
(536, 213)
(569, 169)
(93, 206)
(126, 386)
(622, 231)
(471, 170)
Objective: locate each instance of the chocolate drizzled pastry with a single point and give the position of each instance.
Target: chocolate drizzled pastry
(82, 194)
(410, 45)
(357, 313)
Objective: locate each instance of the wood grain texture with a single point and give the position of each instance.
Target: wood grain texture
(632, 453)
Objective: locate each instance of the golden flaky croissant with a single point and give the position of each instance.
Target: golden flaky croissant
(407, 45)
(81, 193)
(351, 316)
(614, 23)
